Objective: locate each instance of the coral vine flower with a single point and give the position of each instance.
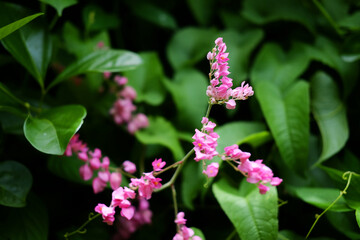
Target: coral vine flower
(205, 142)
(146, 184)
(212, 169)
(158, 164)
(129, 166)
(106, 212)
(184, 232)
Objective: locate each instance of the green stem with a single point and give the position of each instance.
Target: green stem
(232, 235)
(114, 169)
(332, 204)
(81, 229)
(178, 170)
(208, 110)
(328, 17)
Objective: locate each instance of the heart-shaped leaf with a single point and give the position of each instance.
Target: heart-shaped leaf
(51, 131)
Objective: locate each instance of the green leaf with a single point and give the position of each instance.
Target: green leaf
(52, 130)
(240, 46)
(330, 115)
(190, 45)
(161, 132)
(198, 232)
(288, 115)
(357, 215)
(231, 133)
(253, 215)
(274, 65)
(188, 92)
(148, 79)
(95, 19)
(15, 184)
(8, 29)
(264, 12)
(100, 61)
(30, 45)
(352, 195)
(154, 14)
(351, 22)
(344, 223)
(80, 46)
(322, 198)
(60, 5)
(30, 222)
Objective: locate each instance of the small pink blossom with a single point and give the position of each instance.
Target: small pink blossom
(129, 167)
(85, 172)
(104, 176)
(128, 212)
(158, 164)
(115, 180)
(95, 163)
(98, 185)
(75, 145)
(212, 169)
(106, 212)
(128, 92)
(180, 218)
(139, 121)
(120, 80)
(107, 75)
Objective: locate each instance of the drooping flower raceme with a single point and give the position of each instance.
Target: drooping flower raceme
(220, 89)
(205, 141)
(255, 171)
(184, 233)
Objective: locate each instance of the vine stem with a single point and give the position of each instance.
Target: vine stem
(173, 191)
(328, 17)
(81, 229)
(332, 204)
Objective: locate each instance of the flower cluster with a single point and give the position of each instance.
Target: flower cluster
(123, 108)
(205, 141)
(120, 197)
(126, 227)
(94, 161)
(255, 171)
(184, 233)
(219, 91)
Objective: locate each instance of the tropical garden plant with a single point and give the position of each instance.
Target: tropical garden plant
(179, 119)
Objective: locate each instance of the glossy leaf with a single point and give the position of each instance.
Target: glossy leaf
(161, 132)
(258, 218)
(357, 215)
(198, 232)
(186, 89)
(281, 68)
(60, 5)
(344, 223)
(15, 184)
(260, 12)
(189, 46)
(322, 198)
(33, 220)
(288, 114)
(100, 61)
(30, 45)
(148, 79)
(353, 192)
(8, 29)
(51, 131)
(330, 115)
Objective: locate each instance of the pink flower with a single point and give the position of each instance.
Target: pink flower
(139, 121)
(212, 169)
(128, 92)
(128, 212)
(146, 184)
(115, 180)
(205, 143)
(85, 172)
(106, 212)
(98, 185)
(158, 164)
(129, 167)
(235, 153)
(107, 75)
(75, 145)
(120, 80)
(180, 218)
(122, 110)
(231, 104)
(263, 189)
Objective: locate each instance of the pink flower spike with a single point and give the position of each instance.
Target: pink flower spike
(85, 172)
(115, 180)
(212, 169)
(98, 185)
(263, 189)
(158, 164)
(128, 212)
(129, 167)
(180, 218)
